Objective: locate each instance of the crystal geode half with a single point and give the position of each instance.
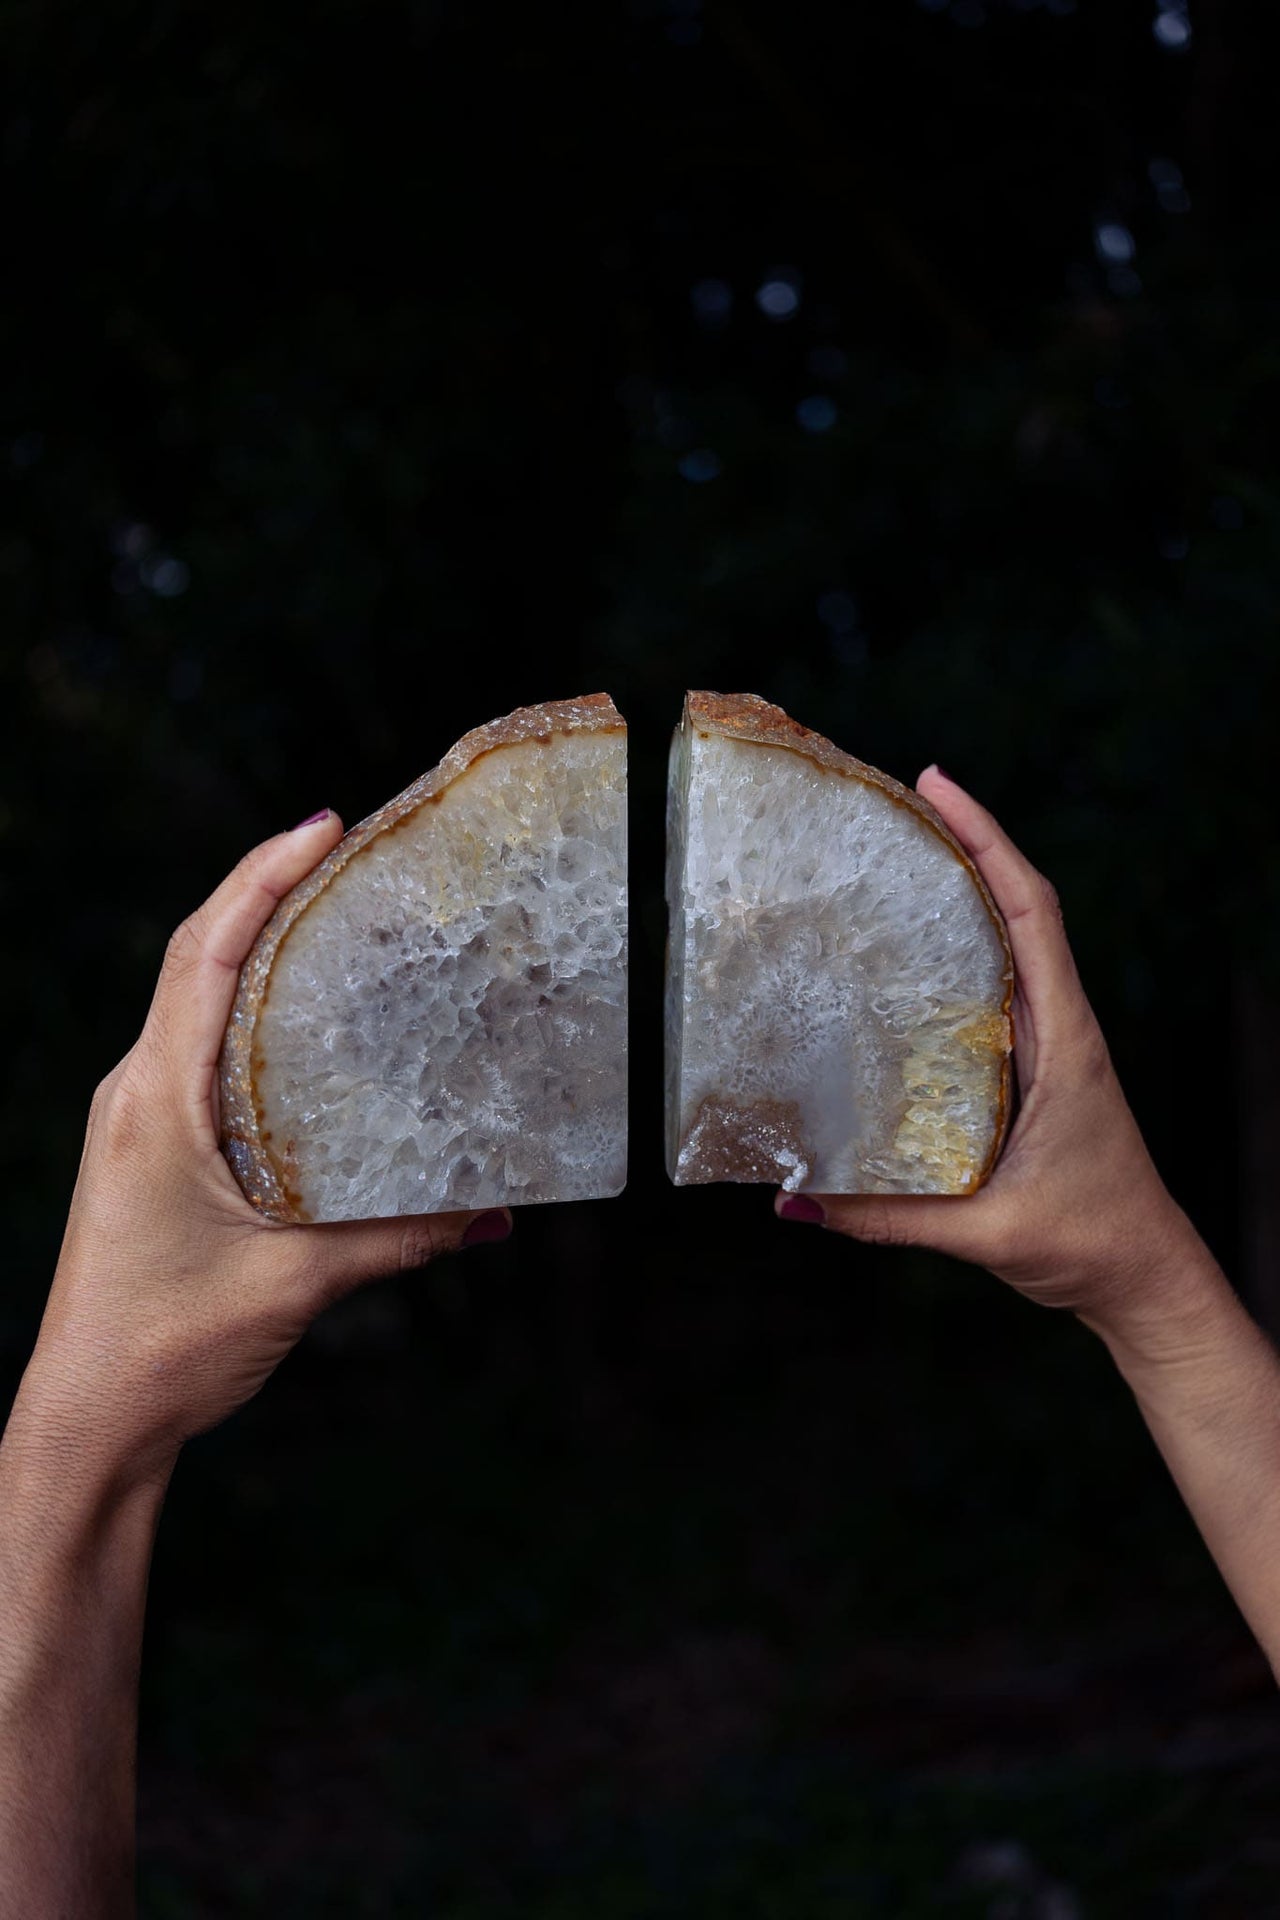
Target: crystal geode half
(838, 977)
(436, 1017)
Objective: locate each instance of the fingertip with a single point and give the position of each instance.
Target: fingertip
(235, 913)
(316, 826)
(489, 1227)
(799, 1206)
(964, 816)
(289, 856)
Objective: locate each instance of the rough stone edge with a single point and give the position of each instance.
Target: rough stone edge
(747, 717)
(260, 1176)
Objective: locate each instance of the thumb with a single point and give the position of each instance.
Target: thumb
(944, 1223)
(345, 1254)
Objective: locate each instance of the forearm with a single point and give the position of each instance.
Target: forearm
(1207, 1380)
(77, 1526)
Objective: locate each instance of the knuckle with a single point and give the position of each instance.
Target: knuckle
(252, 866)
(102, 1096)
(119, 1113)
(1047, 897)
(422, 1241)
(879, 1225)
(1078, 1061)
(311, 1280)
(1093, 1057)
(184, 946)
(251, 877)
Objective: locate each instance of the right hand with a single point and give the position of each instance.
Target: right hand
(1075, 1214)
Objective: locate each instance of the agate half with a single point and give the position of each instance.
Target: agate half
(436, 1017)
(838, 977)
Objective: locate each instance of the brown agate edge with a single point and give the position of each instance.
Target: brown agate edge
(746, 717)
(265, 1172)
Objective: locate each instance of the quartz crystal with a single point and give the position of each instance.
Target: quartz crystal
(838, 976)
(435, 1017)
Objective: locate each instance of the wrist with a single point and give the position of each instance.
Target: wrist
(63, 1437)
(77, 1529)
(1170, 1311)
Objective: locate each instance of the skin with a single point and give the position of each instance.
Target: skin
(1076, 1217)
(172, 1303)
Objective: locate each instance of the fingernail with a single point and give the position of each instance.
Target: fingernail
(798, 1206)
(937, 768)
(486, 1226)
(312, 818)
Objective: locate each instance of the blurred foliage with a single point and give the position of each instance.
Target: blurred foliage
(369, 371)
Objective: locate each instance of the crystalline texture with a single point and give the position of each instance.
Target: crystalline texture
(436, 1017)
(838, 978)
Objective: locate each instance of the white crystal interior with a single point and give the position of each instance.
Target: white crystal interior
(445, 1025)
(829, 957)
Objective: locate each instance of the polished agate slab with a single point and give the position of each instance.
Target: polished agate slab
(838, 976)
(436, 1018)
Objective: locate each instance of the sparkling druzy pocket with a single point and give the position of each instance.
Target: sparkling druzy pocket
(436, 1017)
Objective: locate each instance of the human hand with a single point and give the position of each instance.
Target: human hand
(173, 1299)
(1075, 1214)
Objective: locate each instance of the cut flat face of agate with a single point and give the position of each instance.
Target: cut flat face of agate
(435, 1018)
(838, 977)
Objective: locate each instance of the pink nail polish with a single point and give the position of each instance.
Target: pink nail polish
(312, 818)
(486, 1226)
(799, 1206)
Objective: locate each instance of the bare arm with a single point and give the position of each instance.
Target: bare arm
(73, 1577)
(1076, 1216)
(1208, 1384)
(172, 1303)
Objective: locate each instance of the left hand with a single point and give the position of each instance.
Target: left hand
(174, 1300)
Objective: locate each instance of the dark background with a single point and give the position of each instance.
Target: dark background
(367, 371)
